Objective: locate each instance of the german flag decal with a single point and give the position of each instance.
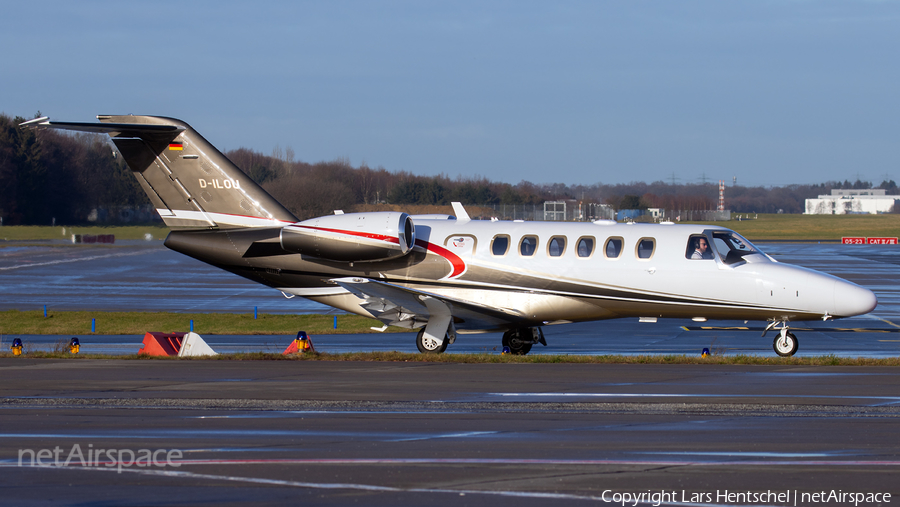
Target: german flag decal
(176, 146)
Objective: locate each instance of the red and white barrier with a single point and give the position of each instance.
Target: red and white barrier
(175, 344)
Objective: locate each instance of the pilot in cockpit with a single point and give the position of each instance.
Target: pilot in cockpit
(701, 249)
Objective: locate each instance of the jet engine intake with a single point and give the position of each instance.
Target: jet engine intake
(352, 237)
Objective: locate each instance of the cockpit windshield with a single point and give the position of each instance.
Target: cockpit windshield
(731, 247)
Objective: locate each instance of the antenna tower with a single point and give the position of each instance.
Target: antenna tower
(721, 195)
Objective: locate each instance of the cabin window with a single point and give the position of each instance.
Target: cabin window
(528, 245)
(645, 248)
(698, 248)
(585, 247)
(557, 246)
(614, 248)
(500, 245)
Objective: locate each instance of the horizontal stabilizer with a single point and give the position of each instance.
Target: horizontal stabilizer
(113, 129)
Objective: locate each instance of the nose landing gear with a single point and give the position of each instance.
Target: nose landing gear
(785, 343)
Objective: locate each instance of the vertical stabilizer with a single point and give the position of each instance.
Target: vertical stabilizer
(191, 183)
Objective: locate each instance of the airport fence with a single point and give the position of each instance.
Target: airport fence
(568, 211)
(697, 215)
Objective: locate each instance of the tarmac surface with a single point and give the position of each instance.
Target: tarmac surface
(128, 276)
(339, 433)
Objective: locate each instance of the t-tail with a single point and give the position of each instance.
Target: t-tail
(191, 183)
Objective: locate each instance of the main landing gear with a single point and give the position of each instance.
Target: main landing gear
(520, 340)
(785, 343)
(427, 344)
(515, 341)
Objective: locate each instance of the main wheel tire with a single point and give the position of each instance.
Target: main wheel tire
(516, 346)
(427, 345)
(521, 349)
(786, 346)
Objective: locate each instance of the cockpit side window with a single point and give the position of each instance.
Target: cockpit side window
(732, 248)
(698, 248)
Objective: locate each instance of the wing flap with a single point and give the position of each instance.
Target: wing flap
(396, 305)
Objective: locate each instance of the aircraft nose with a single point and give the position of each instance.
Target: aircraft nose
(851, 299)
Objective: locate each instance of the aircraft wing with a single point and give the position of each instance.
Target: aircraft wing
(396, 305)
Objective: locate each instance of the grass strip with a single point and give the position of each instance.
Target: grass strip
(15, 322)
(827, 360)
(812, 227)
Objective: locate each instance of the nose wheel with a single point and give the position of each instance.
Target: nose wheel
(785, 343)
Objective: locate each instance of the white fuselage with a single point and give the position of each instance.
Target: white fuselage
(555, 277)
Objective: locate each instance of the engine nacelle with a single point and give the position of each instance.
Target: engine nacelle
(352, 237)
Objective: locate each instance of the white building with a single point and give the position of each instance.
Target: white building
(842, 202)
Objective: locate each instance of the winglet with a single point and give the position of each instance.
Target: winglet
(460, 212)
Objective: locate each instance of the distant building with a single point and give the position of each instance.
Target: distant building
(842, 202)
(629, 214)
(555, 211)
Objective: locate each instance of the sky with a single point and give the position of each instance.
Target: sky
(761, 92)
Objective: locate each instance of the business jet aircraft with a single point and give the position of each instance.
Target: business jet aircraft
(444, 274)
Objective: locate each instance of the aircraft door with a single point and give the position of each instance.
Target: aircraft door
(462, 245)
(707, 277)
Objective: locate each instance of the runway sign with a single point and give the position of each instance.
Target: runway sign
(868, 241)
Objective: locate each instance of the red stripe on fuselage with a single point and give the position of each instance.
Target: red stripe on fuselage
(458, 264)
